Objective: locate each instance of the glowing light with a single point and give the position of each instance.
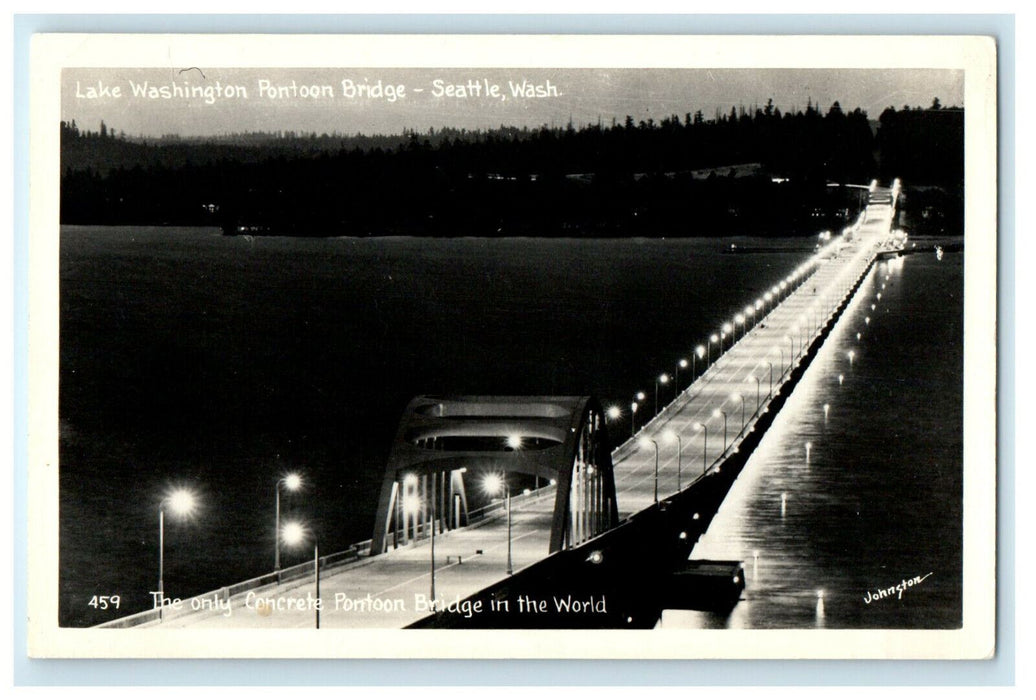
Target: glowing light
(727, 328)
(641, 396)
(493, 484)
(410, 480)
(633, 407)
(714, 338)
(514, 441)
(663, 379)
(841, 378)
(682, 363)
(553, 482)
(700, 351)
(646, 442)
(614, 412)
(293, 482)
(293, 533)
(181, 502)
(596, 557)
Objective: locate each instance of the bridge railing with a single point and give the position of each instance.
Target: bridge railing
(204, 601)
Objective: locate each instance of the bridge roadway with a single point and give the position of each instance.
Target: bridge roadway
(472, 558)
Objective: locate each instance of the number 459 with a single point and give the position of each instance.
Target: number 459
(102, 602)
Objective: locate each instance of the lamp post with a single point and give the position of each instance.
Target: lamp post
(492, 485)
(699, 352)
(180, 502)
(758, 400)
(671, 435)
(770, 393)
(742, 397)
(633, 419)
(704, 446)
(681, 363)
(644, 441)
(708, 350)
(662, 379)
(739, 319)
(728, 329)
(294, 534)
(292, 482)
(716, 413)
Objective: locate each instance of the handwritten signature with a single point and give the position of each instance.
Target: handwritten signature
(896, 590)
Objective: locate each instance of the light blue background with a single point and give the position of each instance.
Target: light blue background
(1000, 671)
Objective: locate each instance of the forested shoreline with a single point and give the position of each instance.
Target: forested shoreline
(762, 172)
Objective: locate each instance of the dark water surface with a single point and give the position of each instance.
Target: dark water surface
(221, 363)
(879, 499)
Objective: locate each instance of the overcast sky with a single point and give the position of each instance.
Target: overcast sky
(194, 101)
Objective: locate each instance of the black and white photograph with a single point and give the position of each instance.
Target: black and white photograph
(675, 347)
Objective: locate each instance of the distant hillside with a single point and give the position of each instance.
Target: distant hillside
(764, 171)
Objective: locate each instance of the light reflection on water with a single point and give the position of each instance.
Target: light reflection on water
(879, 498)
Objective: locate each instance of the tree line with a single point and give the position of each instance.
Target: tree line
(667, 177)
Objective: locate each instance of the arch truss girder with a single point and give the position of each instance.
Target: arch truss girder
(442, 440)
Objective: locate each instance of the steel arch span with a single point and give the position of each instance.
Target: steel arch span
(444, 443)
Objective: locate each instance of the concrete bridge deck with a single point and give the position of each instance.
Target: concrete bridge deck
(391, 590)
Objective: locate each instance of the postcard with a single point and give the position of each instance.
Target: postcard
(512, 346)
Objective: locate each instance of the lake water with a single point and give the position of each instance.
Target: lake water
(221, 363)
(878, 501)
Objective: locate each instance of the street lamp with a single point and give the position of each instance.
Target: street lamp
(758, 400)
(493, 485)
(181, 503)
(742, 397)
(662, 379)
(708, 350)
(644, 441)
(292, 482)
(682, 363)
(770, 392)
(613, 413)
(633, 418)
(699, 352)
(727, 330)
(294, 535)
(716, 414)
(704, 446)
(778, 350)
(673, 435)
